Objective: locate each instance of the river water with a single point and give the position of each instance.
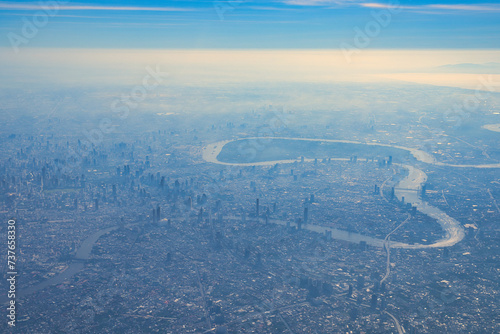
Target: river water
(82, 254)
(409, 188)
(492, 127)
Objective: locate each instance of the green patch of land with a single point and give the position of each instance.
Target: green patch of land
(259, 150)
(63, 190)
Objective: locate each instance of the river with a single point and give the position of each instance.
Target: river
(492, 127)
(408, 188)
(82, 254)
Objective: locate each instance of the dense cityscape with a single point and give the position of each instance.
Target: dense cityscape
(141, 234)
(268, 167)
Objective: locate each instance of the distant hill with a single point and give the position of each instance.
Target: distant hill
(486, 68)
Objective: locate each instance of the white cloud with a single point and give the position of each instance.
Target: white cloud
(383, 5)
(478, 7)
(321, 2)
(39, 6)
(395, 3)
(454, 7)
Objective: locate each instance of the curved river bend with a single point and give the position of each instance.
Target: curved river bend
(416, 177)
(407, 188)
(492, 127)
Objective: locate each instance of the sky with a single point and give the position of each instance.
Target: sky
(285, 24)
(204, 42)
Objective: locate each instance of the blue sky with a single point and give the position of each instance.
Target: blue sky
(296, 24)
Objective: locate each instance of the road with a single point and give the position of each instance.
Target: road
(387, 245)
(407, 188)
(396, 322)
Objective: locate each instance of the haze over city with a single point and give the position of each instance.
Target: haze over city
(289, 166)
